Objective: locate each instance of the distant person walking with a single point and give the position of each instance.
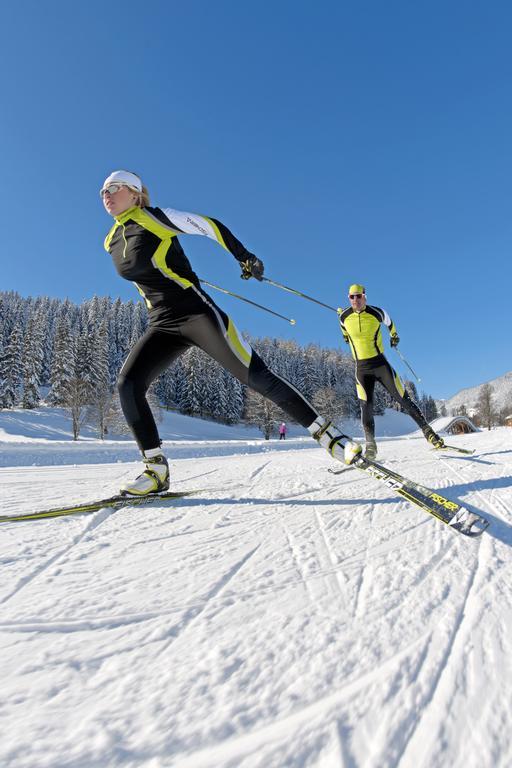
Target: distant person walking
(282, 431)
(145, 249)
(361, 328)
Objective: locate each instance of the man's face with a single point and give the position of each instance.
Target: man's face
(357, 301)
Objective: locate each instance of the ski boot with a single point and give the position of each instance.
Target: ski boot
(329, 436)
(155, 477)
(433, 438)
(370, 452)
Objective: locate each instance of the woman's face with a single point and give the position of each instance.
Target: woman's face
(118, 198)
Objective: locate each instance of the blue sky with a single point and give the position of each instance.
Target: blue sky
(341, 142)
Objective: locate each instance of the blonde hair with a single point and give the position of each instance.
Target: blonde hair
(142, 198)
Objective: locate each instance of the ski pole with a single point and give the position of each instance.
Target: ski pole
(248, 301)
(298, 293)
(407, 364)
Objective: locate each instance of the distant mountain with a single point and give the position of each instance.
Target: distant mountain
(502, 395)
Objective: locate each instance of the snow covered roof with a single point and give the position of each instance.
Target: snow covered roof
(447, 423)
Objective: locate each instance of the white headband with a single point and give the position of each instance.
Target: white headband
(124, 177)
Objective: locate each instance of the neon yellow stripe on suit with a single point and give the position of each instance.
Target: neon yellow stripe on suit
(217, 232)
(166, 235)
(398, 383)
(159, 262)
(151, 224)
(361, 392)
(237, 345)
(110, 236)
(148, 303)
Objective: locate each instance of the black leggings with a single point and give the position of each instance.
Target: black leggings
(366, 376)
(213, 332)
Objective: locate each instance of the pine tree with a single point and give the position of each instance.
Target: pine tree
(191, 395)
(139, 323)
(121, 332)
(11, 371)
(346, 386)
(46, 310)
(74, 365)
(3, 322)
(63, 364)
(431, 409)
(84, 360)
(235, 398)
(410, 388)
(312, 371)
(100, 393)
(33, 359)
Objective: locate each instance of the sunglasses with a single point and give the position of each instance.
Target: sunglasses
(111, 189)
(356, 295)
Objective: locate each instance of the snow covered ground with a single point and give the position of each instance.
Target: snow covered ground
(281, 617)
(45, 437)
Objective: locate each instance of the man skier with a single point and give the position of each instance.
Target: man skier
(361, 328)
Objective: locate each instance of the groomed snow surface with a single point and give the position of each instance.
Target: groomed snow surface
(282, 616)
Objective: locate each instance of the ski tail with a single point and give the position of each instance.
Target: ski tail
(113, 502)
(465, 451)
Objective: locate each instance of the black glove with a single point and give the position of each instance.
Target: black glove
(252, 267)
(394, 340)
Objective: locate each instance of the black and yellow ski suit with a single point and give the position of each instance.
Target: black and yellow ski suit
(362, 330)
(145, 249)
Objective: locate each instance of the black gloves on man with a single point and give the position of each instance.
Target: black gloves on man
(394, 340)
(252, 267)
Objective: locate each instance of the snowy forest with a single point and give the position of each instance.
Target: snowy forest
(55, 352)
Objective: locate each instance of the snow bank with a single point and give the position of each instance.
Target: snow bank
(44, 436)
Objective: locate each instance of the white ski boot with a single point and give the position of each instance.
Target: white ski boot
(155, 477)
(370, 450)
(330, 437)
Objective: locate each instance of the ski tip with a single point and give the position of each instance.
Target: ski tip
(473, 525)
(476, 528)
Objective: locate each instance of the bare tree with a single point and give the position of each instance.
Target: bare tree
(99, 409)
(485, 406)
(263, 413)
(77, 400)
(329, 403)
(504, 414)
(114, 418)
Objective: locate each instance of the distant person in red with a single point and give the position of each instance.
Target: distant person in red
(282, 431)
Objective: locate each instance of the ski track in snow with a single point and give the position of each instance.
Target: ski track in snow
(281, 617)
(98, 518)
